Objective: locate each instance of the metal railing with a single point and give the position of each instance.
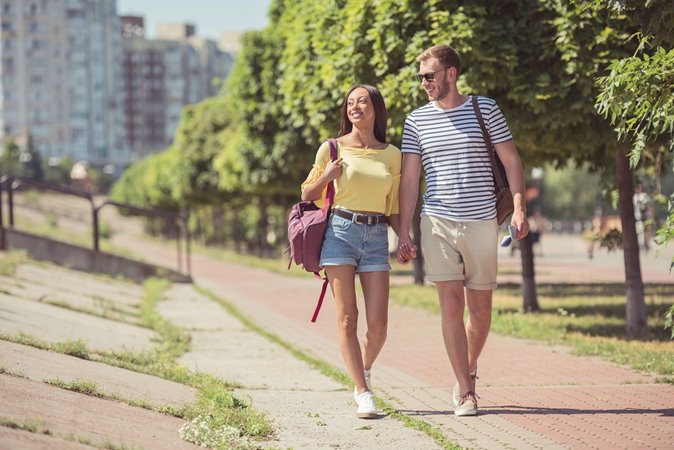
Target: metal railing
(177, 221)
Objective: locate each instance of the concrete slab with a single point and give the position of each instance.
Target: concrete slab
(54, 324)
(226, 348)
(98, 304)
(67, 413)
(41, 365)
(319, 419)
(309, 409)
(86, 284)
(26, 440)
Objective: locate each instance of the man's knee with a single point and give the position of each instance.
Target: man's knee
(480, 305)
(452, 309)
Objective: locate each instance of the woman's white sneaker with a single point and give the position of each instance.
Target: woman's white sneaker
(366, 408)
(367, 383)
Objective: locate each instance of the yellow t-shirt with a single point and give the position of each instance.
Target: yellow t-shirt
(370, 178)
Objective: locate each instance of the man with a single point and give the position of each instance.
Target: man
(459, 231)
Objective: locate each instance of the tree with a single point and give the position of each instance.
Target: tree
(638, 97)
(9, 162)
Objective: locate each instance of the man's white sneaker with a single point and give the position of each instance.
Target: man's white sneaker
(366, 408)
(467, 405)
(456, 392)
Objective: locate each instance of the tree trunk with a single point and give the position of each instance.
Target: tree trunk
(237, 229)
(262, 228)
(416, 230)
(528, 280)
(636, 308)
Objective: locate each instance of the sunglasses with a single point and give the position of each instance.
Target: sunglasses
(430, 77)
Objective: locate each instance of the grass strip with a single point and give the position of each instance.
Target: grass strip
(32, 426)
(10, 259)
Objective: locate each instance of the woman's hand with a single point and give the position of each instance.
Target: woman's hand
(333, 170)
(406, 249)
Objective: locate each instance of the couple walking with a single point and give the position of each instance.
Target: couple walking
(376, 187)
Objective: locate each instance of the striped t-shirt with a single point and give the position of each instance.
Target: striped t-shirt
(459, 181)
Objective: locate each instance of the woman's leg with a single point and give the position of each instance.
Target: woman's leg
(376, 293)
(342, 282)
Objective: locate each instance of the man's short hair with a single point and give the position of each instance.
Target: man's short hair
(447, 56)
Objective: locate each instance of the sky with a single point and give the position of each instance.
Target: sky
(211, 17)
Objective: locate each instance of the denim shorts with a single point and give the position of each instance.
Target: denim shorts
(354, 244)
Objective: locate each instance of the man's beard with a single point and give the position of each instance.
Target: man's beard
(441, 93)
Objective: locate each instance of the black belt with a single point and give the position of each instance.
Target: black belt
(363, 219)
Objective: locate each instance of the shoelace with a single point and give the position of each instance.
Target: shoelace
(469, 395)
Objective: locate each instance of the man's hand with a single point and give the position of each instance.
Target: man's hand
(406, 249)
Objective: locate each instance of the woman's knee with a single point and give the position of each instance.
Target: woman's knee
(348, 322)
(378, 328)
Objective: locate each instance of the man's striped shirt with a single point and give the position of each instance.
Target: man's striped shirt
(459, 181)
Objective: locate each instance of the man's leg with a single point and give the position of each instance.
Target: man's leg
(452, 305)
(478, 324)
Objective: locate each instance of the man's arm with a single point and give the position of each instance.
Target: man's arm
(409, 191)
(508, 155)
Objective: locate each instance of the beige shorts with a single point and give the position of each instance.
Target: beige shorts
(465, 251)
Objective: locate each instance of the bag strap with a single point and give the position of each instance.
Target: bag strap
(330, 196)
(498, 179)
(329, 200)
(320, 297)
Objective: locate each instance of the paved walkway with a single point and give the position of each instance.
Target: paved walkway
(532, 395)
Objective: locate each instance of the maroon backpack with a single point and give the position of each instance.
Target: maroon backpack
(306, 230)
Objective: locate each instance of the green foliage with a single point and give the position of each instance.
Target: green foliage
(58, 173)
(257, 140)
(9, 161)
(637, 95)
(569, 193)
(149, 183)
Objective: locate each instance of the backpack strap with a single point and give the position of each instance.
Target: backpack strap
(329, 200)
(498, 178)
(330, 195)
(320, 297)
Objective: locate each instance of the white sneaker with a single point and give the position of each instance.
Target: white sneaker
(456, 392)
(467, 405)
(366, 408)
(367, 383)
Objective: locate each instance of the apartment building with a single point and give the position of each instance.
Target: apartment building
(78, 86)
(60, 78)
(161, 76)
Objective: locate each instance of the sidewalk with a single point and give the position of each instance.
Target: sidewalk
(532, 395)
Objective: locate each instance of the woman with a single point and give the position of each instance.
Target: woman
(367, 178)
